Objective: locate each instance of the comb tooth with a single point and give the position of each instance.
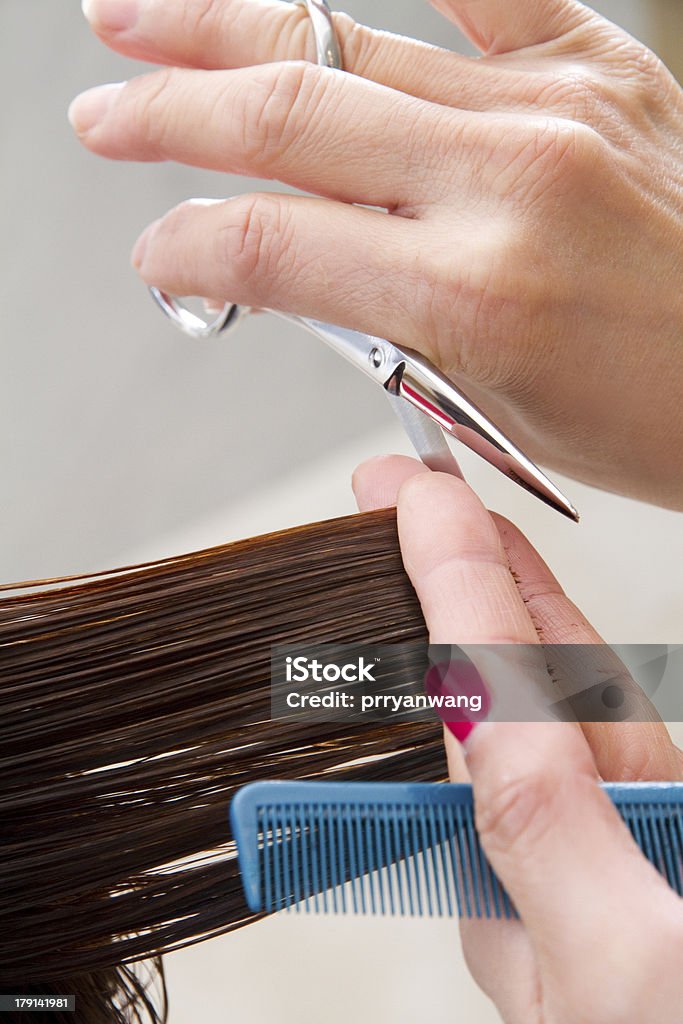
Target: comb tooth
(370, 857)
(401, 865)
(341, 856)
(332, 856)
(348, 824)
(652, 820)
(315, 872)
(424, 860)
(431, 828)
(648, 848)
(442, 839)
(676, 825)
(295, 840)
(277, 857)
(484, 874)
(267, 861)
(442, 850)
(362, 859)
(467, 889)
(285, 852)
(634, 824)
(508, 906)
(409, 861)
(399, 858)
(387, 862)
(271, 859)
(377, 855)
(415, 846)
(305, 843)
(664, 834)
(450, 826)
(323, 856)
(472, 860)
(647, 835)
(493, 889)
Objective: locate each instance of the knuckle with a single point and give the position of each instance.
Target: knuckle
(648, 87)
(578, 93)
(517, 813)
(252, 241)
(290, 93)
(541, 153)
(201, 15)
(360, 45)
(149, 106)
(570, 154)
(177, 220)
(581, 153)
(477, 310)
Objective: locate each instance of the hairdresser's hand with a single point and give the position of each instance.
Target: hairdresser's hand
(535, 243)
(600, 940)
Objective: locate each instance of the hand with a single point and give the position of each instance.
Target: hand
(534, 247)
(600, 935)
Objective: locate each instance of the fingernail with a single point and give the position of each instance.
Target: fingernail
(460, 730)
(111, 15)
(138, 253)
(90, 107)
(465, 698)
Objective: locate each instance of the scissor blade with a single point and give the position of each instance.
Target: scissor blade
(426, 437)
(415, 382)
(425, 388)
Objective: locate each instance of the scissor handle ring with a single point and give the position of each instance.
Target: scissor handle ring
(329, 55)
(193, 325)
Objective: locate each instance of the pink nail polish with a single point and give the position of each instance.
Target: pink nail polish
(111, 15)
(460, 730)
(460, 681)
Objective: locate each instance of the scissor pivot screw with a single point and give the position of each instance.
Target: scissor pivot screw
(376, 358)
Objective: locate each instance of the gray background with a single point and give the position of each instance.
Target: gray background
(116, 429)
(121, 440)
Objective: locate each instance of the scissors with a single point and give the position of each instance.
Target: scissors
(426, 402)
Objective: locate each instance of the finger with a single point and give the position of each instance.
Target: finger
(450, 545)
(312, 127)
(545, 825)
(458, 566)
(498, 26)
(377, 481)
(267, 250)
(622, 750)
(242, 33)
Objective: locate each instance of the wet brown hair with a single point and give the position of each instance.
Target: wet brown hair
(133, 703)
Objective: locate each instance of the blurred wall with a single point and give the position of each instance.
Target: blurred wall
(114, 429)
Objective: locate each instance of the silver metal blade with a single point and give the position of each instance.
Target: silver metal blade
(426, 437)
(424, 387)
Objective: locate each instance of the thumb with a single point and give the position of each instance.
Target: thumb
(498, 26)
(559, 846)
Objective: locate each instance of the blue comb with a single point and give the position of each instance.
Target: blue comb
(403, 848)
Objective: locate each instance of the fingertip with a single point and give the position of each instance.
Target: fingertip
(441, 487)
(137, 256)
(443, 505)
(376, 482)
(455, 757)
(113, 16)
